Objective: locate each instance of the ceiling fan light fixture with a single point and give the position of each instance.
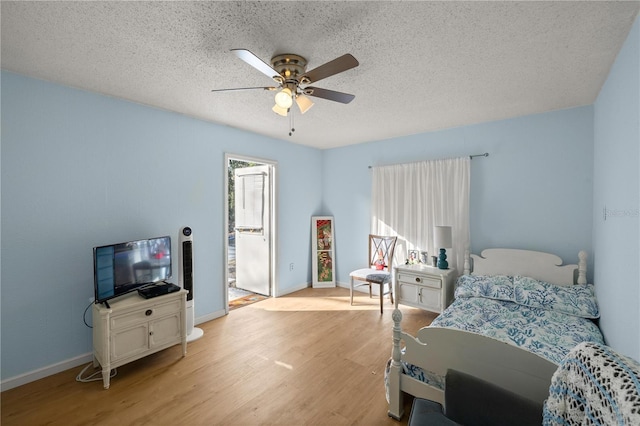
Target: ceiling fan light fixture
(304, 103)
(284, 99)
(279, 110)
(289, 71)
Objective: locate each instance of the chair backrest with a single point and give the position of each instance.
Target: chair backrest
(381, 251)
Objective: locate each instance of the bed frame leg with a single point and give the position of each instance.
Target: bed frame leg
(467, 264)
(582, 267)
(396, 405)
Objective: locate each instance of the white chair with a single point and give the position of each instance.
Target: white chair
(378, 270)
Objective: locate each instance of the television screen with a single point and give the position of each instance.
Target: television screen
(124, 267)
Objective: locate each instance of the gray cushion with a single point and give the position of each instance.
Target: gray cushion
(373, 275)
(472, 401)
(379, 278)
(427, 413)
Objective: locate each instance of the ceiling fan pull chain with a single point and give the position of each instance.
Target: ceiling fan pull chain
(291, 122)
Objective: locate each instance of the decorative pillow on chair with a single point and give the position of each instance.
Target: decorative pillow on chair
(379, 278)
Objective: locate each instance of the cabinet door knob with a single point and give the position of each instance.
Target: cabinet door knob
(418, 279)
(148, 312)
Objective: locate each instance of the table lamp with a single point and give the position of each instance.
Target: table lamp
(442, 240)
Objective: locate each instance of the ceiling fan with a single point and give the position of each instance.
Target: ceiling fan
(290, 73)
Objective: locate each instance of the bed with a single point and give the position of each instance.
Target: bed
(516, 314)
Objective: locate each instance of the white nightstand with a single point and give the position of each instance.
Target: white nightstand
(424, 287)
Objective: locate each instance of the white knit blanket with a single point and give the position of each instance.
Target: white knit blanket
(594, 386)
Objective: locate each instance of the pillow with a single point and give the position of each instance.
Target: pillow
(577, 300)
(498, 287)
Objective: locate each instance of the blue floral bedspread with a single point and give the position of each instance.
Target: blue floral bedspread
(540, 317)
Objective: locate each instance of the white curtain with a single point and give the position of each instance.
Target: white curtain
(408, 200)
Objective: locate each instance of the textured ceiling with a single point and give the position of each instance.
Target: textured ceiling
(423, 65)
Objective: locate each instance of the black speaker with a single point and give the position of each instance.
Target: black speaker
(186, 261)
(187, 268)
(185, 278)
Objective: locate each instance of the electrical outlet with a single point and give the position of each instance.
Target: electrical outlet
(291, 266)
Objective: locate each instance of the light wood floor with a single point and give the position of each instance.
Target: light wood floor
(308, 358)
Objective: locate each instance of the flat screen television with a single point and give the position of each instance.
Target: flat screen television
(125, 267)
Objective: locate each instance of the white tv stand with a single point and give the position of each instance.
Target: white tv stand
(133, 327)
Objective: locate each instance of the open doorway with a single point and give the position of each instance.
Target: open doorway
(250, 230)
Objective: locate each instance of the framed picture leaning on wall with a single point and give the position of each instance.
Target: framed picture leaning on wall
(322, 248)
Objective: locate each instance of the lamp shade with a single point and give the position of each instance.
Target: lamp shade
(304, 103)
(283, 98)
(442, 237)
(279, 110)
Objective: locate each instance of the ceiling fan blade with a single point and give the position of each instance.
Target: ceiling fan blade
(256, 62)
(244, 88)
(331, 95)
(338, 65)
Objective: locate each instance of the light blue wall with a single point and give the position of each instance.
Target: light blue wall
(533, 191)
(617, 189)
(80, 170)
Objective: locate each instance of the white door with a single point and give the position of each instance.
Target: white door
(252, 229)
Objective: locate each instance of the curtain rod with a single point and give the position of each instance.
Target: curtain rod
(471, 157)
(486, 154)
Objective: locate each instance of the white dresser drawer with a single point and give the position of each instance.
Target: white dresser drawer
(408, 278)
(145, 314)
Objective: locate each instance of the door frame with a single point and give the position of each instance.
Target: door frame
(273, 237)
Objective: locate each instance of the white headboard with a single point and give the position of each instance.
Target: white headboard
(535, 264)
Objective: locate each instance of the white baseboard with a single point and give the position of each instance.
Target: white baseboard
(221, 313)
(375, 290)
(209, 317)
(343, 285)
(40, 373)
(294, 289)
